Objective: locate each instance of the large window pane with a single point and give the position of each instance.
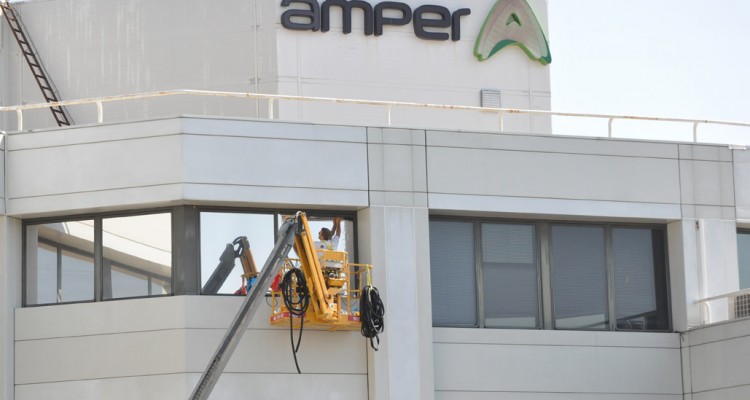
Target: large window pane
(59, 262)
(453, 272)
(743, 244)
(45, 279)
(579, 278)
(219, 230)
(77, 281)
(640, 279)
(136, 248)
(509, 267)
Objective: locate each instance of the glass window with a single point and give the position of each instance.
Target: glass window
(60, 262)
(453, 273)
(743, 244)
(136, 249)
(218, 230)
(591, 273)
(579, 278)
(509, 269)
(77, 276)
(640, 279)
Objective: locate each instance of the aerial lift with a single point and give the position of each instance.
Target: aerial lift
(340, 293)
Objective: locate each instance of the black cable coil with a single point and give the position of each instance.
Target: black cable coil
(297, 300)
(372, 312)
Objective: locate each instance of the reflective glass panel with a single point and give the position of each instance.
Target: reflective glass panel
(136, 248)
(453, 273)
(509, 267)
(221, 272)
(59, 262)
(640, 279)
(579, 278)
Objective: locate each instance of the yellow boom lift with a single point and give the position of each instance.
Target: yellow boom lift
(339, 292)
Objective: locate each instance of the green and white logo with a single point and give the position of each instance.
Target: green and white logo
(512, 22)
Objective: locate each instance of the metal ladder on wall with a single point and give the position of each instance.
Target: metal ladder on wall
(48, 90)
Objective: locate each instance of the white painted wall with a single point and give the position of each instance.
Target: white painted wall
(488, 364)
(157, 349)
(218, 161)
(398, 66)
(10, 298)
(715, 359)
(94, 48)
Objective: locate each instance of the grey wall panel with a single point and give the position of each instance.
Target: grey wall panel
(91, 173)
(550, 362)
(163, 387)
(276, 164)
(179, 387)
(97, 48)
(718, 356)
(443, 395)
(397, 167)
(552, 176)
(154, 163)
(166, 336)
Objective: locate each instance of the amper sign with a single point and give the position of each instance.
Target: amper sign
(316, 17)
(509, 23)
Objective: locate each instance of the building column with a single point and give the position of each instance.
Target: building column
(10, 298)
(703, 263)
(396, 241)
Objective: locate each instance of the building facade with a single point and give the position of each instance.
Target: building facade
(515, 264)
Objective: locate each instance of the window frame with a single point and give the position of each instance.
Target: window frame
(545, 270)
(98, 219)
(276, 213)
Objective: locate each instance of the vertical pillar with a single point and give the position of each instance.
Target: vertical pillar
(395, 240)
(394, 237)
(10, 298)
(703, 263)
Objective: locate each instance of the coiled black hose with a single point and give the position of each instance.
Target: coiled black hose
(296, 297)
(372, 313)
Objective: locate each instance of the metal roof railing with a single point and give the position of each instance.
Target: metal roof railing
(388, 105)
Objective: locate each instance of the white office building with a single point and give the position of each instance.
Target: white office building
(514, 262)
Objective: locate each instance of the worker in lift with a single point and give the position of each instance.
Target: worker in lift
(328, 239)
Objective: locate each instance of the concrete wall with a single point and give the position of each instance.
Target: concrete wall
(94, 48)
(715, 362)
(171, 161)
(10, 298)
(157, 349)
(398, 66)
(478, 364)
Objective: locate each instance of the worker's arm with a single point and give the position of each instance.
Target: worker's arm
(336, 228)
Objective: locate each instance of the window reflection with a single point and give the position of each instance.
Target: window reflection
(218, 230)
(60, 262)
(136, 249)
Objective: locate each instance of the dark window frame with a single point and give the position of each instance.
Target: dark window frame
(98, 219)
(276, 213)
(545, 269)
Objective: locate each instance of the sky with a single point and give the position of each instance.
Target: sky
(657, 58)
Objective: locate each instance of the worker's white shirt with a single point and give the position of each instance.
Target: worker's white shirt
(327, 244)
